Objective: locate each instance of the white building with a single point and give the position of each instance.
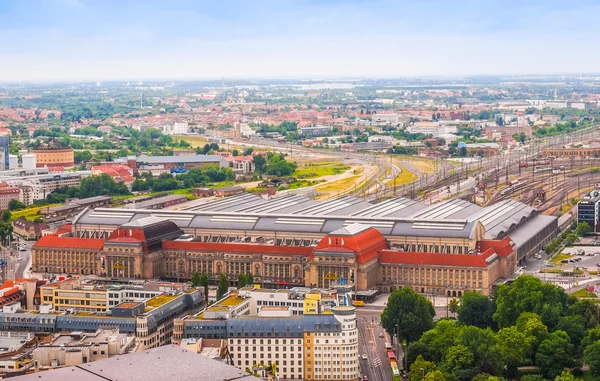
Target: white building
(431, 128)
(177, 128)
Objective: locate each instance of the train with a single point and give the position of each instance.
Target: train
(392, 360)
(513, 188)
(526, 164)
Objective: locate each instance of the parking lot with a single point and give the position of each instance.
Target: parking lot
(582, 257)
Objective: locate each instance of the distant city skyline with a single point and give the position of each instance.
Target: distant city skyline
(62, 40)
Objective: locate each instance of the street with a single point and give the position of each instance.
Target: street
(376, 367)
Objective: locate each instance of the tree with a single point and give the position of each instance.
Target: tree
(235, 152)
(416, 349)
(196, 279)
(204, 283)
(522, 137)
(250, 279)
(533, 377)
(514, 348)
(420, 368)
(574, 326)
(410, 312)
(458, 358)
(586, 309)
(260, 163)
(554, 354)
(440, 338)
(6, 215)
(530, 324)
(529, 294)
(453, 306)
(592, 358)
(566, 376)
(15, 205)
(591, 337)
(583, 228)
(436, 375)
(241, 281)
(476, 309)
(222, 286)
(487, 377)
(248, 151)
(482, 343)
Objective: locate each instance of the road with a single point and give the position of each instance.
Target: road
(370, 343)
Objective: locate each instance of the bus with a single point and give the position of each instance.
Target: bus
(395, 371)
(358, 303)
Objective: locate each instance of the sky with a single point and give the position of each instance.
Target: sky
(195, 39)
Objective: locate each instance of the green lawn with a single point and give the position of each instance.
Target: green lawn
(320, 169)
(30, 213)
(556, 260)
(584, 294)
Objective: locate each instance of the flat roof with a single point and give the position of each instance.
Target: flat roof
(167, 362)
(179, 159)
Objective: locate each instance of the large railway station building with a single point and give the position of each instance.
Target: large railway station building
(446, 248)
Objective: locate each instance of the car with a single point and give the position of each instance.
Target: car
(365, 378)
(381, 334)
(598, 264)
(583, 268)
(364, 356)
(566, 261)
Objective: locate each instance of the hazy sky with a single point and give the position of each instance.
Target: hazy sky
(140, 39)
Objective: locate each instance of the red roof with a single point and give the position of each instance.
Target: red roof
(238, 248)
(435, 259)
(64, 229)
(502, 247)
(70, 242)
(365, 244)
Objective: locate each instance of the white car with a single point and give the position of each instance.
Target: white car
(364, 356)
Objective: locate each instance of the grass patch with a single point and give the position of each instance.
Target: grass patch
(584, 293)
(30, 213)
(344, 185)
(560, 257)
(320, 169)
(405, 177)
(551, 271)
(195, 141)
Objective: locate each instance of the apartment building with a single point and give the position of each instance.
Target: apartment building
(7, 194)
(321, 344)
(72, 295)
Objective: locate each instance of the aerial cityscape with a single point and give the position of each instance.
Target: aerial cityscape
(299, 190)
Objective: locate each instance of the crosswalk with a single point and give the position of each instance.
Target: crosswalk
(376, 362)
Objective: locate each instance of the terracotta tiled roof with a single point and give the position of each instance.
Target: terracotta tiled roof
(69, 242)
(366, 244)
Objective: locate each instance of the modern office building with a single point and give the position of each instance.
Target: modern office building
(318, 343)
(4, 155)
(587, 209)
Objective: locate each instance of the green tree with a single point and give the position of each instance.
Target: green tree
(586, 309)
(6, 215)
(196, 279)
(410, 312)
(592, 358)
(204, 283)
(591, 337)
(514, 348)
(416, 349)
(482, 343)
(235, 152)
(440, 338)
(554, 354)
(420, 368)
(533, 377)
(453, 306)
(248, 151)
(222, 286)
(566, 376)
(435, 375)
(574, 326)
(16, 205)
(487, 377)
(583, 228)
(260, 163)
(530, 324)
(476, 309)
(529, 294)
(250, 279)
(458, 358)
(241, 282)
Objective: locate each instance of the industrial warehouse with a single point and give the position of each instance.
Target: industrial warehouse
(446, 248)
